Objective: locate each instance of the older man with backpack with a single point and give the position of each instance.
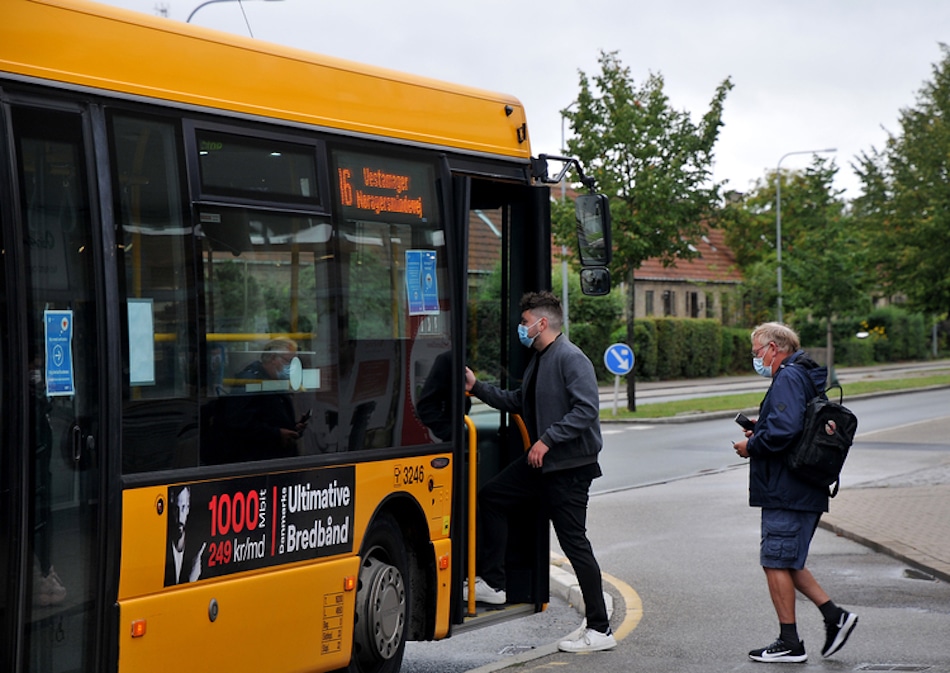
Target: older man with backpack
(791, 506)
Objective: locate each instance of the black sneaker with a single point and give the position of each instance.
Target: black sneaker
(781, 652)
(838, 632)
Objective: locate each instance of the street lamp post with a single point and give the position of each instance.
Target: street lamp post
(778, 218)
(564, 274)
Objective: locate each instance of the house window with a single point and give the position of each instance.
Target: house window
(692, 304)
(648, 300)
(710, 305)
(669, 302)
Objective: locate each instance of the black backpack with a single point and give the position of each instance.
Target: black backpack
(827, 434)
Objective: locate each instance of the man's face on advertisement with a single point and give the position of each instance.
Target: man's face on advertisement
(182, 507)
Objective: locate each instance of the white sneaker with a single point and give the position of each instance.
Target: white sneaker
(589, 641)
(484, 593)
(49, 590)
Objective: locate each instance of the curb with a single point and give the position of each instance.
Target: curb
(563, 584)
(895, 550)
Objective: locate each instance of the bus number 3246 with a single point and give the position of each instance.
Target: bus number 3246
(406, 476)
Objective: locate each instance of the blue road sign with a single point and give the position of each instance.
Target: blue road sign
(619, 359)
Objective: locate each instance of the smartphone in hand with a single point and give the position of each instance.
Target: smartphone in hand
(745, 422)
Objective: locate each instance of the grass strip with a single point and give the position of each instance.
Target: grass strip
(740, 401)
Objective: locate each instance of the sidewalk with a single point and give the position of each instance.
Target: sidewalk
(908, 516)
(910, 523)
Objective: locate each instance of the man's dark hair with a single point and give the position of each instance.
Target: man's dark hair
(544, 304)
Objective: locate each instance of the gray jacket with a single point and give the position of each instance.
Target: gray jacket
(567, 405)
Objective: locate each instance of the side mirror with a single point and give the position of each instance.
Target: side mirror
(595, 281)
(593, 229)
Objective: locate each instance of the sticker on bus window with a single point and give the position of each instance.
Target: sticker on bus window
(223, 527)
(141, 342)
(422, 285)
(59, 353)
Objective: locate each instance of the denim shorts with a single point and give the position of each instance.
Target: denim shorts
(786, 536)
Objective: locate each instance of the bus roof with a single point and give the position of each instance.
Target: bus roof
(84, 44)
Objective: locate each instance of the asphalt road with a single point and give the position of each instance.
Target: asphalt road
(671, 523)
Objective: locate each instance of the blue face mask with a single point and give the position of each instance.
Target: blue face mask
(523, 337)
(761, 369)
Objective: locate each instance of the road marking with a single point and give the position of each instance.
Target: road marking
(633, 603)
(627, 428)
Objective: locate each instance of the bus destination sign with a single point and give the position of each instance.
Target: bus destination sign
(383, 189)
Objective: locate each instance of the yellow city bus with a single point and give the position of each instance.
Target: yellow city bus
(240, 283)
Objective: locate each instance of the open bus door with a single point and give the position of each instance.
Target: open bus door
(505, 253)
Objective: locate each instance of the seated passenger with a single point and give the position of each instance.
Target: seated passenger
(260, 424)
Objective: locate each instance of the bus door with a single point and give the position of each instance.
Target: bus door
(50, 610)
(508, 253)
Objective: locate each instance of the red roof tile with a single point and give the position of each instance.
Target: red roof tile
(714, 264)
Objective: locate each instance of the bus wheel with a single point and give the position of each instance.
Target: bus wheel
(382, 604)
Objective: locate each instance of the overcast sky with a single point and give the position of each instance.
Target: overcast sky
(808, 74)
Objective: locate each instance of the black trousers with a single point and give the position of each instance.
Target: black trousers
(564, 495)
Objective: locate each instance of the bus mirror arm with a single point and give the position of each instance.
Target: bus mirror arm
(539, 170)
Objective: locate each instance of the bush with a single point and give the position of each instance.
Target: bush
(673, 348)
(894, 335)
(735, 358)
(670, 348)
(590, 339)
(644, 349)
(854, 352)
(703, 348)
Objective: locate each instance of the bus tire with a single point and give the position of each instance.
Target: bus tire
(382, 601)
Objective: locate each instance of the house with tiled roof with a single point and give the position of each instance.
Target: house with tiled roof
(705, 286)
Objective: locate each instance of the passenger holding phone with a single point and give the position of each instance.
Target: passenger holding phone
(790, 507)
(262, 423)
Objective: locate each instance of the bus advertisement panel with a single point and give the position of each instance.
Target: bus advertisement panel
(223, 527)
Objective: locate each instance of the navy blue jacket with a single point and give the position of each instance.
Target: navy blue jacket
(777, 429)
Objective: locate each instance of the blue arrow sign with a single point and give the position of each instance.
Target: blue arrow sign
(618, 359)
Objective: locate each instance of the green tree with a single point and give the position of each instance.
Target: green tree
(654, 162)
(748, 223)
(905, 202)
(824, 262)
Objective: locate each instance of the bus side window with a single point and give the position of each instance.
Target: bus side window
(160, 411)
(270, 334)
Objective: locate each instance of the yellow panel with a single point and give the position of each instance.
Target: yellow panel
(444, 587)
(144, 531)
(287, 620)
(430, 487)
(88, 44)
